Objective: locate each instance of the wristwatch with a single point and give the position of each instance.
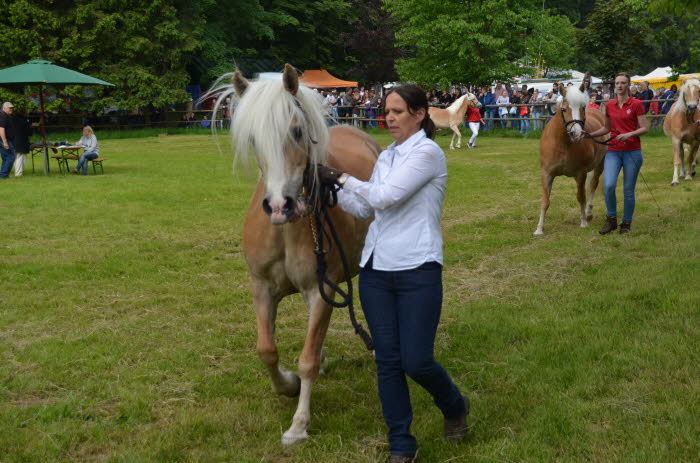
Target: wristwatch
(342, 179)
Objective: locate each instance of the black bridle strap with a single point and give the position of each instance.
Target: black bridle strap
(321, 198)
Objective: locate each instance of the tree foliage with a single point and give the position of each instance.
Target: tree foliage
(619, 35)
(449, 43)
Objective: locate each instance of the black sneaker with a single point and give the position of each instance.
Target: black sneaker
(609, 225)
(625, 227)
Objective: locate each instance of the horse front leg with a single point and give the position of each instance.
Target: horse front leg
(592, 181)
(456, 133)
(547, 180)
(265, 301)
(309, 364)
(677, 160)
(581, 196)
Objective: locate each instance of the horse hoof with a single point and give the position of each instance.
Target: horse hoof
(538, 233)
(584, 225)
(675, 183)
(688, 178)
(292, 388)
(289, 439)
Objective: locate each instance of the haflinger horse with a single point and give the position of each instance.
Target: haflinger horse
(453, 116)
(283, 123)
(680, 126)
(563, 151)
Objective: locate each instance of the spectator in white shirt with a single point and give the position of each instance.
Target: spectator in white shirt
(401, 275)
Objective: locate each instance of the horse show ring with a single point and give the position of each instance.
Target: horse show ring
(142, 346)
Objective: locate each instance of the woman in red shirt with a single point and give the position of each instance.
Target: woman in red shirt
(474, 120)
(625, 118)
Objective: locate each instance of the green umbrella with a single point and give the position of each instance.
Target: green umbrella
(41, 72)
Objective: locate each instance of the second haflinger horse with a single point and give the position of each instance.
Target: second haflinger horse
(680, 126)
(283, 123)
(564, 152)
(453, 116)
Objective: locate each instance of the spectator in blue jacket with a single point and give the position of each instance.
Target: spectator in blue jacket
(490, 112)
(670, 94)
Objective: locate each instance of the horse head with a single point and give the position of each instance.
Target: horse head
(473, 100)
(689, 96)
(572, 106)
(283, 123)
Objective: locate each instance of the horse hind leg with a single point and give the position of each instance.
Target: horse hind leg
(309, 365)
(581, 197)
(547, 181)
(265, 302)
(592, 180)
(692, 161)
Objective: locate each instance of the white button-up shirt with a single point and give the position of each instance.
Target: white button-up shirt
(405, 196)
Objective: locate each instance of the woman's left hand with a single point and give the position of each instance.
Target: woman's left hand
(623, 136)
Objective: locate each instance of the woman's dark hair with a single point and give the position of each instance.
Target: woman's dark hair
(415, 99)
(624, 74)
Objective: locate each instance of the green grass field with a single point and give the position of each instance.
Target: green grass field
(127, 334)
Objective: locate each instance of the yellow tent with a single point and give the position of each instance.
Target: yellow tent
(665, 82)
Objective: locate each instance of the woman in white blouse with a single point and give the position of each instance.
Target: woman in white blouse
(91, 151)
(401, 275)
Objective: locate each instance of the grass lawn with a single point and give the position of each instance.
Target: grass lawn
(127, 334)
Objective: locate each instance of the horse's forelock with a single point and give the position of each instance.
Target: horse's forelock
(263, 117)
(576, 97)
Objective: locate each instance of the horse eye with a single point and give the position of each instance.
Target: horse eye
(296, 133)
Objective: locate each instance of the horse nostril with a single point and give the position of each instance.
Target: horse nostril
(289, 203)
(266, 206)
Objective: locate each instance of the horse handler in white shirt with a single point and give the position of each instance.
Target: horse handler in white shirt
(401, 275)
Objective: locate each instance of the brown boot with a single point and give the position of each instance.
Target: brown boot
(609, 225)
(625, 227)
(456, 429)
(400, 459)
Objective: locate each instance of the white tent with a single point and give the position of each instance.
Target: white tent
(658, 73)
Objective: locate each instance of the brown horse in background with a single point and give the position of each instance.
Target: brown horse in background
(284, 124)
(453, 116)
(564, 152)
(680, 126)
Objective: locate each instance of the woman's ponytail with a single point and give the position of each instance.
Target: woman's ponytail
(428, 126)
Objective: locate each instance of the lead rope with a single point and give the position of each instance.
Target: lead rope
(321, 197)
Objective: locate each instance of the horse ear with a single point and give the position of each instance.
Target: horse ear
(581, 89)
(290, 79)
(240, 84)
(562, 89)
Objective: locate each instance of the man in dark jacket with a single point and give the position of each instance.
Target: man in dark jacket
(7, 136)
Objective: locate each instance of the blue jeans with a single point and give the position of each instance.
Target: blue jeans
(525, 124)
(8, 159)
(536, 124)
(402, 310)
(631, 162)
(488, 114)
(83, 161)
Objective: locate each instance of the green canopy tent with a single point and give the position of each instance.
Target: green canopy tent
(41, 72)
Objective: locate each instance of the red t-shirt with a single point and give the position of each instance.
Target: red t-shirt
(593, 105)
(624, 120)
(473, 114)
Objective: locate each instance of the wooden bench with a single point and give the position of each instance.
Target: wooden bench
(63, 161)
(98, 162)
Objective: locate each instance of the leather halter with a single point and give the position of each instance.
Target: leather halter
(581, 122)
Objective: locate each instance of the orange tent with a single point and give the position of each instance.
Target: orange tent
(324, 79)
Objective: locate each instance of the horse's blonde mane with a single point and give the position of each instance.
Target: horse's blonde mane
(576, 97)
(263, 118)
(681, 105)
(454, 107)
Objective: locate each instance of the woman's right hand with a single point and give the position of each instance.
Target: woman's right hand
(328, 175)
